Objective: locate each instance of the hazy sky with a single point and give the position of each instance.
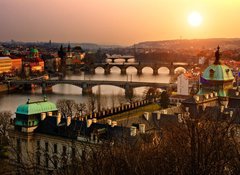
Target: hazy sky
(116, 21)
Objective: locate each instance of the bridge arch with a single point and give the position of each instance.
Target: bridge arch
(115, 69)
(69, 88)
(131, 70)
(147, 70)
(179, 69)
(164, 70)
(107, 89)
(99, 69)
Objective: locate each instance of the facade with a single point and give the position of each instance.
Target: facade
(5, 64)
(16, 64)
(33, 61)
(216, 89)
(217, 77)
(183, 87)
(44, 140)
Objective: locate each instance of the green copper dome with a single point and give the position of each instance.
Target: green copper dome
(6, 52)
(36, 107)
(33, 50)
(218, 72)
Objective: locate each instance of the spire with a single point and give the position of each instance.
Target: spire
(217, 56)
(69, 47)
(61, 48)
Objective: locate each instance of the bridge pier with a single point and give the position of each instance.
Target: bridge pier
(107, 71)
(126, 60)
(123, 71)
(128, 91)
(155, 71)
(92, 70)
(171, 71)
(139, 71)
(86, 89)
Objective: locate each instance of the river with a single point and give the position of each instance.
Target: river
(11, 101)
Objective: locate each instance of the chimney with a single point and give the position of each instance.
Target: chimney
(146, 115)
(237, 93)
(222, 108)
(94, 120)
(164, 111)
(142, 128)
(158, 115)
(114, 123)
(49, 114)
(69, 120)
(43, 116)
(89, 122)
(58, 118)
(231, 114)
(109, 121)
(196, 97)
(133, 131)
(180, 118)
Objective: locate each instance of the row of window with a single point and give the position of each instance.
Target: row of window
(55, 148)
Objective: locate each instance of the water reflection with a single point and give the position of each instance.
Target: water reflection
(60, 91)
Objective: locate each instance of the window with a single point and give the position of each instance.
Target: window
(55, 148)
(38, 145)
(46, 146)
(38, 161)
(46, 161)
(64, 150)
(18, 145)
(73, 152)
(55, 163)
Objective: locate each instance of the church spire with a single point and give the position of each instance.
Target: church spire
(217, 56)
(69, 47)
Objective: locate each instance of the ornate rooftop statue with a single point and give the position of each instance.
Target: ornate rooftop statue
(217, 56)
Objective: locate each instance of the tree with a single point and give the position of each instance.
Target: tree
(5, 117)
(164, 100)
(66, 106)
(152, 93)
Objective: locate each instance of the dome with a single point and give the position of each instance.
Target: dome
(218, 72)
(36, 107)
(33, 50)
(6, 52)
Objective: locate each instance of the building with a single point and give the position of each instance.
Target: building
(16, 64)
(43, 139)
(216, 89)
(217, 77)
(5, 64)
(33, 61)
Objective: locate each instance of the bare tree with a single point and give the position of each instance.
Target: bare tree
(66, 106)
(5, 117)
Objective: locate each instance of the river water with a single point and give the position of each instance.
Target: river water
(112, 95)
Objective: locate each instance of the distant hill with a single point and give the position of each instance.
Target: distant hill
(93, 46)
(225, 43)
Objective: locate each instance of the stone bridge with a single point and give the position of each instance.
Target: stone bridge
(139, 67)
(87, 85)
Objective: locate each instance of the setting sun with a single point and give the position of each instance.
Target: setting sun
(195, 19)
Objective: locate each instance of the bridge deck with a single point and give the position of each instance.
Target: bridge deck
(89, 82)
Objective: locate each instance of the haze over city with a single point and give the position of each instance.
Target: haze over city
(120, 22)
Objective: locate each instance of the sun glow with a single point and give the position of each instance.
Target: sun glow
(195, 19)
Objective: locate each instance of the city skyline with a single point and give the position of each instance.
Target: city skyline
(116, 22)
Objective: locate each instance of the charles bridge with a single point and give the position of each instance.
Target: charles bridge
(86, 85)
(138, 66)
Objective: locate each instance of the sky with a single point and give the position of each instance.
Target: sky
(122, 22)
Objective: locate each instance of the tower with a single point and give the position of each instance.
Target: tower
(217, 77)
